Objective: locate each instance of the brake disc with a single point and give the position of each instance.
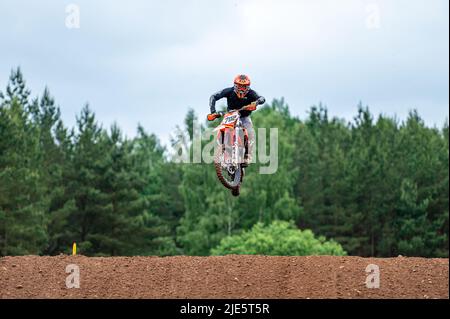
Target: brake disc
(231, 169)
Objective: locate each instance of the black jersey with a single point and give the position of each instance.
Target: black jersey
(234, 102)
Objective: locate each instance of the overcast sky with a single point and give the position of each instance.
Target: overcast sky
(141, 61)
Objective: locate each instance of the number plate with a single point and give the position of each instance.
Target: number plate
(230, 119)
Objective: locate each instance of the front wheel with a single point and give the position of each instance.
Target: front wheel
(229, 174)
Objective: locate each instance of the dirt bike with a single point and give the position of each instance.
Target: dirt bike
(232, 139)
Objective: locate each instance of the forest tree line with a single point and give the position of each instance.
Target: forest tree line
(376, 186)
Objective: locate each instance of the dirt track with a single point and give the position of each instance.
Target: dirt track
(223, 277)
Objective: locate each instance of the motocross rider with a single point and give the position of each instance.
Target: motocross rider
(238, 96)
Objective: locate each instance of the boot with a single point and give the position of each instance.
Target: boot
(247, 160)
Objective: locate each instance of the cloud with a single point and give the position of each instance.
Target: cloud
(147, 61)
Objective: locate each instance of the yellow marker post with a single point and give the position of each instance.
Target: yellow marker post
(74, 249)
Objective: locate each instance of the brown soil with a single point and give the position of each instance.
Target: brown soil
(223, 277)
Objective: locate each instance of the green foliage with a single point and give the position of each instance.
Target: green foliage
(377, 186)
(22, 208)
(280, 238)
(86, 185)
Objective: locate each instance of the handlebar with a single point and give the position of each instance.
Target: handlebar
(251, 107)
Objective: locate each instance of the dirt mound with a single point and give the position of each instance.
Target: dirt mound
(223, 277)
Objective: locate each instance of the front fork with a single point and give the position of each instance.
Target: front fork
(236, 160)
(222, 139)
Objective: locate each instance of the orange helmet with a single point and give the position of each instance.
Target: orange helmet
(241, 85)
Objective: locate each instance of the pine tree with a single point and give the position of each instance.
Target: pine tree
(22, 222)
(84, 183)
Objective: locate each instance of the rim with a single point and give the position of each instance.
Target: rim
(230, 172)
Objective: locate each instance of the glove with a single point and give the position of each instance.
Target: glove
(213, 116)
